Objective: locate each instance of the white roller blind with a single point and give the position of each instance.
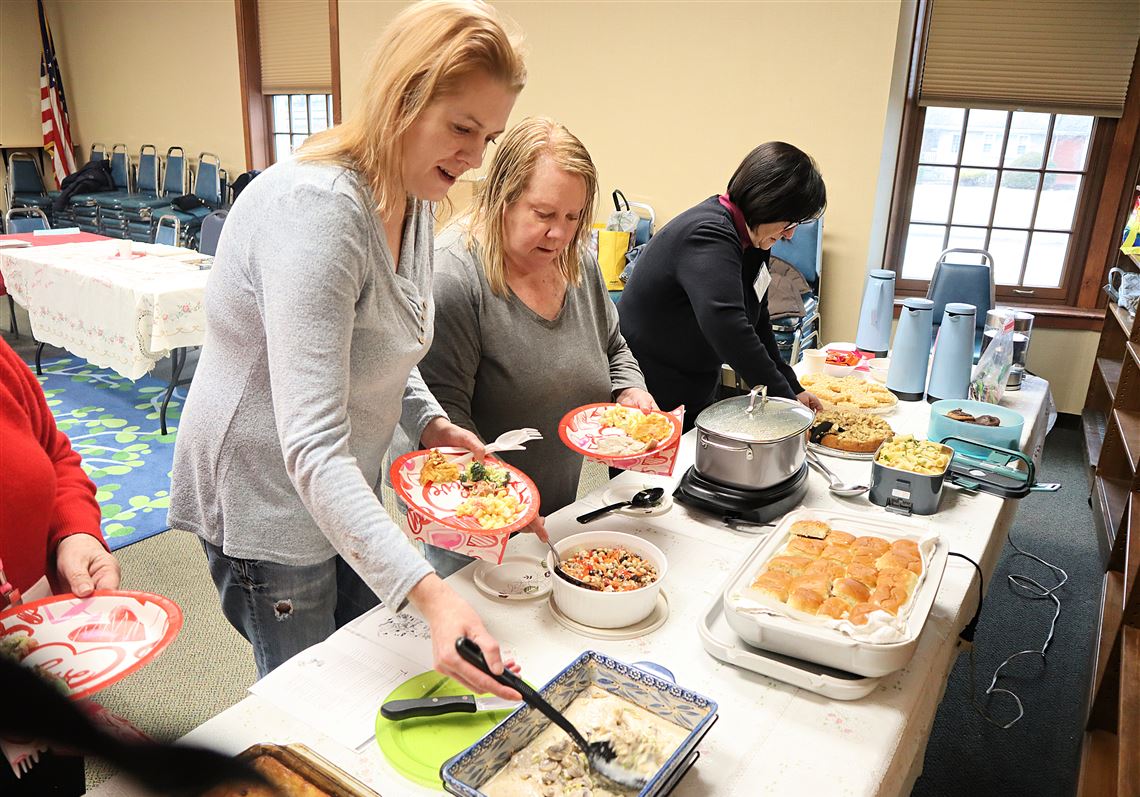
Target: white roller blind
(1071, 56)
(294, 39)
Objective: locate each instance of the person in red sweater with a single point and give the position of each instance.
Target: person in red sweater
(49, 529)
(49, 519)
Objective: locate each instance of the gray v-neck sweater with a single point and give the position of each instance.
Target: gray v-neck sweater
(497, 365)
(309, 362)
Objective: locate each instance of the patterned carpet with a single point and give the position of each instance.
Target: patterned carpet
(114, 425)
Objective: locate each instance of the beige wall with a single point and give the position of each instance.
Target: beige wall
(670, 96)
(130, 82)
(19, 74)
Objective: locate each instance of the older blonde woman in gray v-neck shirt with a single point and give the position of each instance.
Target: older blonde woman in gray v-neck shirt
(524, 327)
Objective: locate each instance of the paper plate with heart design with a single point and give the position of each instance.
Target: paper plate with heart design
(454, 505)
(86, 644)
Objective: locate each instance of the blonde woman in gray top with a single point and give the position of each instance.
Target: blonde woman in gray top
(525, 328)
(319, 308)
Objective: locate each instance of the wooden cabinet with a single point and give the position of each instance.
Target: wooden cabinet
(1110, 763)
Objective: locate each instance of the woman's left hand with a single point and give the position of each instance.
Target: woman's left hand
(84, 565)
(441, 432)
(811, 401)
(637, 398)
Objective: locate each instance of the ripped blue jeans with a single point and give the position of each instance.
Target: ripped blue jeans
(283, 609)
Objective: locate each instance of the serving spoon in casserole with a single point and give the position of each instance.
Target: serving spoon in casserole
(600, 755)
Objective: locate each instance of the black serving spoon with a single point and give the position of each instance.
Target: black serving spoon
(646, 499)
(600, 755)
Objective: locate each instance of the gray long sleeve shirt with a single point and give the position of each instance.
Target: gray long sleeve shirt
(497, 365)
(309, 362)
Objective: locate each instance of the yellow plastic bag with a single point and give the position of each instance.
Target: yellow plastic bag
(1131, 245)
(612, 247)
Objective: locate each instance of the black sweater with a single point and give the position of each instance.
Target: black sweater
(690, 305)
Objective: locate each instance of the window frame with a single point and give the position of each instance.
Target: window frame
(271, 119)
(1092, 180)
(1113, 166)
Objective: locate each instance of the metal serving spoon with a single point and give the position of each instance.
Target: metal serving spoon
(646, 499)
(836, 485)
(600, 754)
(556, 563)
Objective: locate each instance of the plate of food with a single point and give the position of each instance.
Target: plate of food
(855, 392)
(848, 435)
(615, 432)
(86, 644)
(445, 486)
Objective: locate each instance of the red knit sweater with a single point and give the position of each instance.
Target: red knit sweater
(44, 493)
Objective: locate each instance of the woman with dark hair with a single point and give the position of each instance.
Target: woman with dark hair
(697, 297)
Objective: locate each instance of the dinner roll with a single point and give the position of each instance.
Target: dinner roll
(789, 564)
(864, 574)
(837, 553)
(873, 545)
(835, 608)
(806, 546)
(805, 600)
(774, 584)
(828, 568)
(893, 561)
(839, 538)
(850, 590)
(816, 583)
(907, 548)
(859, 612)
(815, 529)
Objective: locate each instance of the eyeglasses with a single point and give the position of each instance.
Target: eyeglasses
(795, 224)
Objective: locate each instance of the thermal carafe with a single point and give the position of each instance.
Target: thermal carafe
(953, 354)
(906, 376)
(877, 313)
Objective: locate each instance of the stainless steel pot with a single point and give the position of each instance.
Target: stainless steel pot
(752, 450)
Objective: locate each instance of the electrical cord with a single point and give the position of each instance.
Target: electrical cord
(1026, 587)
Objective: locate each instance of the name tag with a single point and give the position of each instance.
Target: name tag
(763, 280)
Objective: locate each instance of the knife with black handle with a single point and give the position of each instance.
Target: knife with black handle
(397, 710)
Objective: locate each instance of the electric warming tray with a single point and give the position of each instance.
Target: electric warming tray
(780, 632)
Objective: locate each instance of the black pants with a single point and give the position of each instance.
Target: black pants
(53, 775)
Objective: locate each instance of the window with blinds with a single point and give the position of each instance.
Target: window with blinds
(294, 41)
(1053, 56)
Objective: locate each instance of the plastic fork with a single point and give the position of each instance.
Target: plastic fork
(507, 441)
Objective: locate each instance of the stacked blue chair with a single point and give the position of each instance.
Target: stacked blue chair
(116, 210)
(87, 220)
(167, 230)
(85, 207)
(16, 220)
(144, 208)
(208, 188)
(25, 188)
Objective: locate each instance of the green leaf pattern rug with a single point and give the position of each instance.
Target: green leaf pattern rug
(113, 423)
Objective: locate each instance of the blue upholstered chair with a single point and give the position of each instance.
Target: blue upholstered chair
(804, 252)
(972, 283)
(211, 232)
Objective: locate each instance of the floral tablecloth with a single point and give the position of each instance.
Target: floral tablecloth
(118, 313)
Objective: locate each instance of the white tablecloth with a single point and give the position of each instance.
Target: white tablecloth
(123, 314)
(772, 738)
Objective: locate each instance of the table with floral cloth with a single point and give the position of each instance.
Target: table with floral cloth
(772, 738)
(119, 313)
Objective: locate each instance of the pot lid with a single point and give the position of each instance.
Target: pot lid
(778, 419)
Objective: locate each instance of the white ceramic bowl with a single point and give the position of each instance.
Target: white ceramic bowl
(838, 370)
(607, 609)
(878, 367)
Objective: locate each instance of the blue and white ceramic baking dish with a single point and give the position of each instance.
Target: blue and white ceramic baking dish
(467, 772)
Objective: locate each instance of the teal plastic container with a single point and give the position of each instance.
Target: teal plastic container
(1007, 435)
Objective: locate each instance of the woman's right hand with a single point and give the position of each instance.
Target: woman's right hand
(451, 617)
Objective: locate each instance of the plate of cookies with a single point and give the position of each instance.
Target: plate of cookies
(854, 393)
(848, 435)
(839, 588)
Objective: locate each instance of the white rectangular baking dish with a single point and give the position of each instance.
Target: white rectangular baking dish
(818, 643)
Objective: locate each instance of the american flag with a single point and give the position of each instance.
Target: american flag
(53, 106)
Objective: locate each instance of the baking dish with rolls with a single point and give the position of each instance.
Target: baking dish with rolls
(843, 589)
